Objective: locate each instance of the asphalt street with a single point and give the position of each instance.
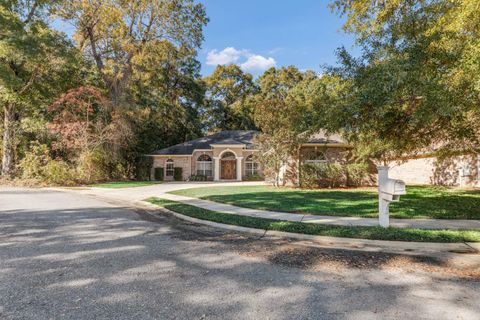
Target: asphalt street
(72, 256)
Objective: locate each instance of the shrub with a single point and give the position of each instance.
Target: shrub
(198, 177)
(159, 173)
(322, 175)
(59, 172)
(356, 174)
(33, 163)
(177, 174)
(335, 175)
(254, 177)
(92, 166)
(143, 168)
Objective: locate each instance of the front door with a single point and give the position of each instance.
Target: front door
(228, 169)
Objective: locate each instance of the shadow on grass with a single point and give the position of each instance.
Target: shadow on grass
(419, 202)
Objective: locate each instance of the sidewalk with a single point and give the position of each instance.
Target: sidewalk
(330, 220)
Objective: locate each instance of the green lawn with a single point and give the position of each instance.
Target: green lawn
(124, 184)
(376, 233)
(419, 202)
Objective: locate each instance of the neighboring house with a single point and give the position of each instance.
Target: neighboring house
(461, 170)
(229, 155)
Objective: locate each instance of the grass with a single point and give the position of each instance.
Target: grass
(419, 202)
(375, 233)
(124, 184)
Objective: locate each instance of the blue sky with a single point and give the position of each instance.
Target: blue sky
(257, 34)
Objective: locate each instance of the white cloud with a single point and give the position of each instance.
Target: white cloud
(258, 62)
(251, 62)
(226, 56)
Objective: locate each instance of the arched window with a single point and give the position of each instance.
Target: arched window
(204, 165)
(251, 166)
(315, 157)
(169, 168)
(228, 156)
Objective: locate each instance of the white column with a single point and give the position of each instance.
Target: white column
(239, 168)
(383, 205)
(216, 169)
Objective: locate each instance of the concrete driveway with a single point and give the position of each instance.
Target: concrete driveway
(141, 193)
(71, 256)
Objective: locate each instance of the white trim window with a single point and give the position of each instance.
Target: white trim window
(251, 167)
(169, 168)
(204, 165)
(316, 157)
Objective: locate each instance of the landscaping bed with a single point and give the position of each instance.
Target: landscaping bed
(374, 233)
(419, 202)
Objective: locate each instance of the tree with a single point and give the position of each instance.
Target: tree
(85, 131)
(226, 105)
(168, 94)
(115, 33)
(34, 63)
(281, 116)
(400, 96)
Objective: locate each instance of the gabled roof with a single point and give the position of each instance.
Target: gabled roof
(240, 137)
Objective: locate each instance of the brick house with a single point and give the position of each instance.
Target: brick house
(229, 156)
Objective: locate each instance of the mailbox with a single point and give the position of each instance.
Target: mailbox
(389, 190)
(392, 189)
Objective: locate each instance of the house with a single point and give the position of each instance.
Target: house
(226, 155)
(229, 156)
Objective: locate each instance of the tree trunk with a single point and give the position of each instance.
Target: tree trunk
(8, 141)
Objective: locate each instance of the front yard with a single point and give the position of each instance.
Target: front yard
(373, 233)
(420, 201)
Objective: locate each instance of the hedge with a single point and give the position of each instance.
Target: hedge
(159, 174)
(177, 174)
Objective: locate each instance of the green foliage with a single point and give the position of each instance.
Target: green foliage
(143, 168)
(178, 174)
(159, 172)
(198, 177)
(227, 107)
(282, 116)
(38, 167)
(416, 84)
(357, 174)
(322, 175)
(58, 172)
(93, 166)
(375, 233)
(253, 177)
(33, 163)
(36, 64)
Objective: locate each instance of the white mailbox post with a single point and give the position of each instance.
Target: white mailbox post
(389, 190)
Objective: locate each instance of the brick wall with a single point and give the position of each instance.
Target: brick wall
(431, 170)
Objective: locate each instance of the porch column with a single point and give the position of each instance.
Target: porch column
(239, 168)
(216, 169)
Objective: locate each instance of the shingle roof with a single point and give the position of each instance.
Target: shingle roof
(239, 137)
(323, 137)
(222, 137)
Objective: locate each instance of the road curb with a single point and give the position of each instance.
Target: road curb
(397, 247)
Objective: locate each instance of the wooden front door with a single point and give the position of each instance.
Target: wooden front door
(228, 169)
